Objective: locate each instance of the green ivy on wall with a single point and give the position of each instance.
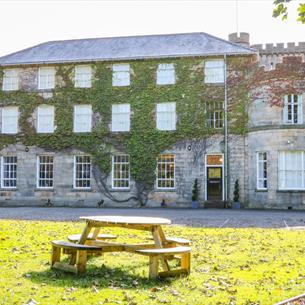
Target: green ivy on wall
(144, 142)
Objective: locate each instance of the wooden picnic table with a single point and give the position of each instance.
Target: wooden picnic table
(151, 224)
(159, 247)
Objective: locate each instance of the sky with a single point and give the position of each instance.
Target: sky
(26, 23)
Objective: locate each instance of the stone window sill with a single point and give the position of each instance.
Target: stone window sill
(44, 190)
(261, 190)
(119, 190)
(8, 190)
(81, 190)
(290, 191)
(165, 190)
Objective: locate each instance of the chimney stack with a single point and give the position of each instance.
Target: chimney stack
(243, 39)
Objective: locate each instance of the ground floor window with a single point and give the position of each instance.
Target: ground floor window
(292, 170)
(120, 172)
(166, 171)
(45, 171)
(82, 171)
(261, 158)
(9, 172)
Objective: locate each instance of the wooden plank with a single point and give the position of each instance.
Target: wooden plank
(153, 267)
(186, 262)
(159, 244)
(55, 257)
(64, 267)
(68, 245)
(81, 261)
(172, 273)
(85, 234)
(165, 251)
(75, 237)
(96, 224)
(133, 220)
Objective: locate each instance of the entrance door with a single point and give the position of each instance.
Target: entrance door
(214, 183)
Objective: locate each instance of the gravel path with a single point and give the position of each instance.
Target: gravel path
(196, 218)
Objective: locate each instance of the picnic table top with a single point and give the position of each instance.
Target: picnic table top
(127, 220)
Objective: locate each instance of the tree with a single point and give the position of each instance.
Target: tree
(281, 10)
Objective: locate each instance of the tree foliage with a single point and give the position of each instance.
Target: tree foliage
(281, 10)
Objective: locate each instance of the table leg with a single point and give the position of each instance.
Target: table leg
(82, 241)
(159, 239)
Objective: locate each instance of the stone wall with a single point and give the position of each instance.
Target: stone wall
(271, 142)
(189, 165)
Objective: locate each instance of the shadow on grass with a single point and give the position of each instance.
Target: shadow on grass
(102, 277)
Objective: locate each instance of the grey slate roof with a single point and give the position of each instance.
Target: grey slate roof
(124, 48)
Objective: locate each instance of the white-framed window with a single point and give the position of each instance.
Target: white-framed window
(291, 170)
(120, 172)
(120, 117)
(9, 172)
(82, 172)
(45, 119)
(166, 116)
(82, 118)
(214, 112)
(166, 74)
(261, 174)
(45, 175)
(293, 112)
(121, 75)
(214, 71)
(83, 75)
(10, 80)
(9, 120)
(46, 78)
(166, 171)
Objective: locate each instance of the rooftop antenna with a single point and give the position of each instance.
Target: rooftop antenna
(236, 14)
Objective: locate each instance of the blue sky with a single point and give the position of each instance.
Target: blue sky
(25, 23)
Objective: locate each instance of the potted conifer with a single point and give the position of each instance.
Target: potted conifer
(236, 203)
(195, 192)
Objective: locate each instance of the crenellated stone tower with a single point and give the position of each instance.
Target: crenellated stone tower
(270, 55)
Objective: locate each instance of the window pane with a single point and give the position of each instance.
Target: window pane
(9, 120)
(120, 75)
(82, 169)
(166, 116)
(45, 171)
(9, 172)
(45, 119)
(82, 118)
(83, 76)
(120, 117)
(120, 171)
(46, 78)
(166, 171)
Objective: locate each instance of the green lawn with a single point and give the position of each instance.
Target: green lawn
(229, 266)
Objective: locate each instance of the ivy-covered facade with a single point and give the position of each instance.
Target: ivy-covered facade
(138, 131)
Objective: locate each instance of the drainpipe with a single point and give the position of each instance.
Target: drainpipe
(225, 132)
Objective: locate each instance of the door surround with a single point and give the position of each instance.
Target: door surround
(206, 166)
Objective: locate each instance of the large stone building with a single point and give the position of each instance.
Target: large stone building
(131, 121)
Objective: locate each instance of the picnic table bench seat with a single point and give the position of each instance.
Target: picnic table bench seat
(176, 240)
(78, 255)
(157, 254)
(74, 238)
